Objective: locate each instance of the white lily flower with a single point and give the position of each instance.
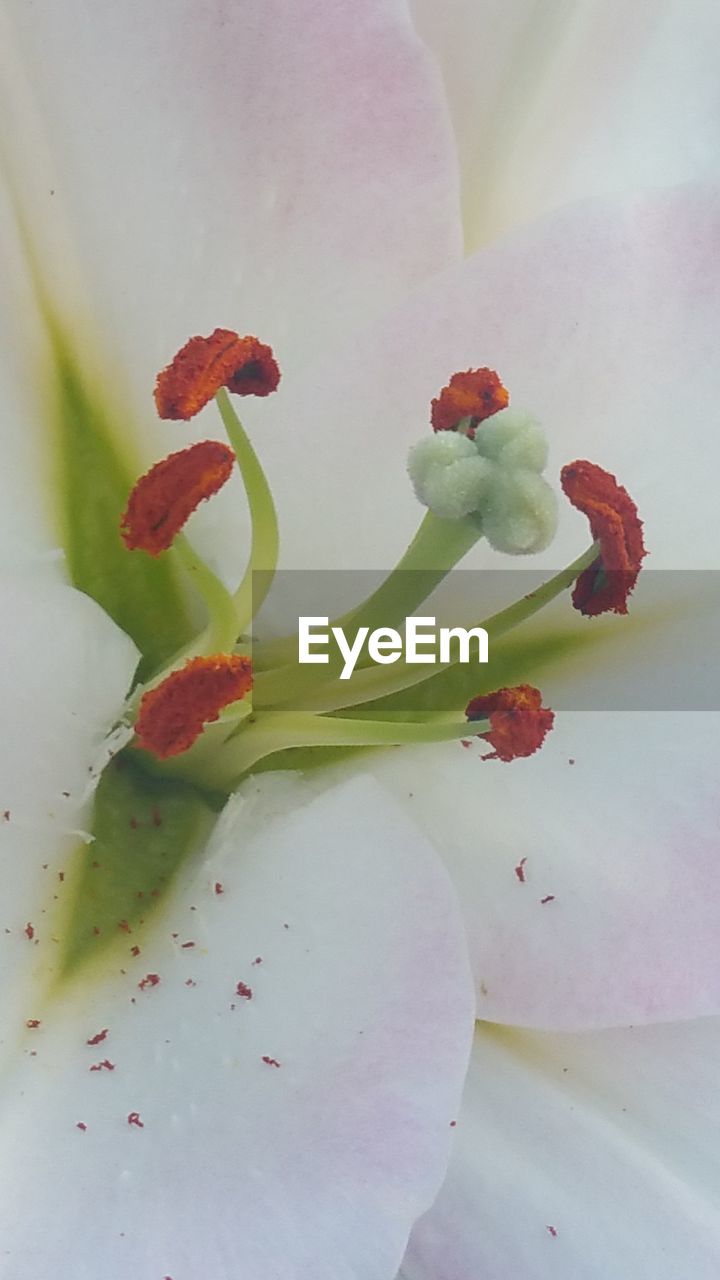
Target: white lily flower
(264, 1077)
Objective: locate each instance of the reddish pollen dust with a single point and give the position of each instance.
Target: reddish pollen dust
(172, 715)
(134, 1119)
(475, 394)
(204, 365)
(518, 721)
(166, 496)
(615, 524)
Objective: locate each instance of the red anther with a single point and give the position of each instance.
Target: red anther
(475, 394)
(259, 375)
(204, 365)
(614, 522)
(173, 714)
(166, 496)
(134, 1119)
(518, 721)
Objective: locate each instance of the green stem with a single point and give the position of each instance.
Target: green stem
(368, 683)
(222, 628)
(265, 539)
(219, 634)
(436, 548)
(280, 731)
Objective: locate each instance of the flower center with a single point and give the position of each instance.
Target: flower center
(479, 474)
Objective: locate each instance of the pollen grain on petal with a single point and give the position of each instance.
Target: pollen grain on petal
(166, 496)
(204, 365)
(518, 721)
(172, 715)
(614, 522)
(473, 395)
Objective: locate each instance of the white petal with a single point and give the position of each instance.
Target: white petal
(284, 170)
(64, 673)
(342, 923)
(600, 319)
(555, 102)
(615, 821)
(609, 1140)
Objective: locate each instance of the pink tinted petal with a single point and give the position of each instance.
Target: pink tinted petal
(600, 318)
(294, 1071)
(581, 1157)
(614, 918)
(555, 102)
(286, 170)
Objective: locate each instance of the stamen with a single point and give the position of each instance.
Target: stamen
(166, 496)
(173, 714)
(204, 365)
(473, 395)
(518, 721)
(606, 585)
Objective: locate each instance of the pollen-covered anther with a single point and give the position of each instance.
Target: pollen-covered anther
(245, 366)
(469, 397)
(166, 496)
(519, 722)
(615, 524)
(172, 716)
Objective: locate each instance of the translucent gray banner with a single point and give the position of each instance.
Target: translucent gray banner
(664, 655)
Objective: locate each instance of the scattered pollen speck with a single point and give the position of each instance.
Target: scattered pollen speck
(99, 1037)
(571, 761)
(32, 1023)
(81, 1125)
(123, 924)
(549, 897)
(6, 815)
(150, 980)
(134, 951)
(552, 1231)
(190, 982)
(453, 1124)
(185, 945)
(520, 870)
(218, 887)
(134, 1119)
(242, 989)
(270, 1062)
(29, 931)
(257, 960)
(105, 1065)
